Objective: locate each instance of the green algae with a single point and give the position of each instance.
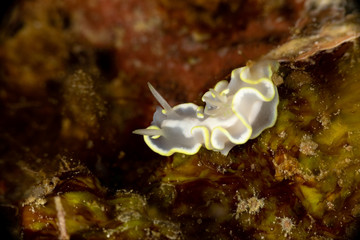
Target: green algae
(89, 214)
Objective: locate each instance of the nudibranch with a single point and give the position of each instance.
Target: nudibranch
(234, 112)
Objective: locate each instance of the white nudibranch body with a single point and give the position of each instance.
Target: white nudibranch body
(234, 112)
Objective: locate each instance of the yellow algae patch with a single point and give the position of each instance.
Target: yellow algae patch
(312, 200)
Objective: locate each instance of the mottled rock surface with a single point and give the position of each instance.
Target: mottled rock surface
(73, 87)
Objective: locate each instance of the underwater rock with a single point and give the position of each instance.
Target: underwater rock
(297, 180)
